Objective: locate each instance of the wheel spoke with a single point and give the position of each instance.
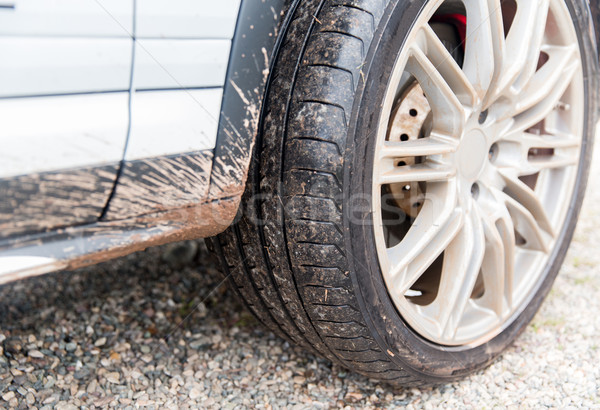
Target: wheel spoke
(525, 164)
(493, 268)
(523, 194)
(528, 140)
(449, 68)
(462, 262)
(557, 73)
(430, 234)
(526, 225)
(532, 165)
(550, 162)
(498, 263)
(484, 46)
(523, 44)
(541, 102)
(537, 30)
(448, 112)
(424, 172)
(417, 148)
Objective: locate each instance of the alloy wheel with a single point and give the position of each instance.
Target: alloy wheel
(477, 151)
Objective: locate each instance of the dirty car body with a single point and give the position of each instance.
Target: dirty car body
(181, 144)
(155, 150)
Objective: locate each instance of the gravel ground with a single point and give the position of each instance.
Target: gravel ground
(159, 329)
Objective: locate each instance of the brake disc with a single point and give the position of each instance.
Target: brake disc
(409, 118)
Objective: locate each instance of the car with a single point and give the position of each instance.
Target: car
(391, 184)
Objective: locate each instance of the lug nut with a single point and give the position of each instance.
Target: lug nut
(493, 153)
(475, 190)
(483, 116)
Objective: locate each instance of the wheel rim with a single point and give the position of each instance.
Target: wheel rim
(472, 158)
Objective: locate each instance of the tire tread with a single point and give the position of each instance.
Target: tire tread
(299, 284)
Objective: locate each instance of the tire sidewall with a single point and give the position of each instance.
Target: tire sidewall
(403, 346)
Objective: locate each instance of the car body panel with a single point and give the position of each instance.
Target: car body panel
(77, 246)
(173, 121)
(19, 267)
(64, 104)
(84, 105)
(173, 196)
(62, 132)
(67, 18)
(176, 63)
(34, 66)
(161, 183)
(186, 19)
(46, 201)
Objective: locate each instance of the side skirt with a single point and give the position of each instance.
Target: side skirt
(75, 247)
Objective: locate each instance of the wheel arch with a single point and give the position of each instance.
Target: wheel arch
(595, 9)
(254, 48)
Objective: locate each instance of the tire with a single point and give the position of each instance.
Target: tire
(303, 254)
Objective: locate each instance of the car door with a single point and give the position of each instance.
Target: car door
(181, 53)
(65, 79)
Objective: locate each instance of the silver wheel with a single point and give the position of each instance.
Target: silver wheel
(478, 148)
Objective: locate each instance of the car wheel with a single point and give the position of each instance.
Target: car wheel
(417, 179)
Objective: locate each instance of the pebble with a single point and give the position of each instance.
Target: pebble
(65, 406)
(91, 387)
(195, 393)
(30, 398)
(8, 396)
(100, 342)
(71, 347)
(36, 354)
(113, 377)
